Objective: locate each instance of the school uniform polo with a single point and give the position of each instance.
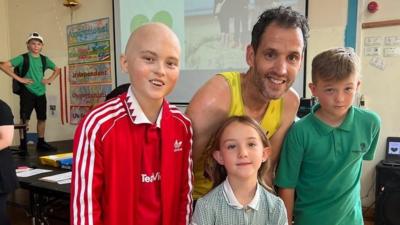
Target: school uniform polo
(221, 207)
(129, 171)
(35, 72)
(323, 164)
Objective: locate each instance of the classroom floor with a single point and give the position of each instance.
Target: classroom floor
(20, 218)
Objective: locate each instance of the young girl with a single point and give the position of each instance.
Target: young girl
(236, 159)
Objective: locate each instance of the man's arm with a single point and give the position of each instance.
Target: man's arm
(290, 106)
(287, 195)
(6, 67)
(53, 76)
(207, 110)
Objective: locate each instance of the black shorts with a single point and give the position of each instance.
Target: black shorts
(29, 101)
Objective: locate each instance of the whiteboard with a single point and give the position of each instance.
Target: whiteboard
(204, 53)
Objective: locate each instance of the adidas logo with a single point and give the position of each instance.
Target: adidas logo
(177, 146)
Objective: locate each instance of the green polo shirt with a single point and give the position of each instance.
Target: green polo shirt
(323, 164)
(35, 72)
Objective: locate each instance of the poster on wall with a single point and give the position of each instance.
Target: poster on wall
(88, 53)
(91, 31)
(78, 112)
(89, 95)
(89, 56)
(90, 73)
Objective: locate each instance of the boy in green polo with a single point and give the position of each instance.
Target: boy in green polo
(322, 154)
(33, 89)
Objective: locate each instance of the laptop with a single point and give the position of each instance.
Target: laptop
(392, 151)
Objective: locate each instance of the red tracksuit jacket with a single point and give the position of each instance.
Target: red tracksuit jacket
(106, 174)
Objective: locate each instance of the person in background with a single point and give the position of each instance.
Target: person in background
(8, 178)
(132, 154)
(236, 159)
(33, 86)
(263, 92)
(322, 154)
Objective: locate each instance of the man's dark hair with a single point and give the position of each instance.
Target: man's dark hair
(282, 16)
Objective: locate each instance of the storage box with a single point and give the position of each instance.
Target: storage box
(54, 160)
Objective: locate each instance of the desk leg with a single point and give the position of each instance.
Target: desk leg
(32, 205)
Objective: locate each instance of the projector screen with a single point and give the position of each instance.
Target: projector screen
(211, 42)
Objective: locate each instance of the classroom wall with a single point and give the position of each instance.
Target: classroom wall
(50, 18)
(327, 21)
(380, 86)
(5, 93)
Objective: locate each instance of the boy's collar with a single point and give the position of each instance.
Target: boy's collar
(32, 55)
(135, 111)
(325, 129)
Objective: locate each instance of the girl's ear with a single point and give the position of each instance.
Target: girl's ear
(266, 153)
(124, 63)
(218, 157)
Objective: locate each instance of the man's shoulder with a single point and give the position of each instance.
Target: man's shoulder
(214, 95)
(291, 98)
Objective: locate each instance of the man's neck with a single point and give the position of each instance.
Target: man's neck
(254, 102)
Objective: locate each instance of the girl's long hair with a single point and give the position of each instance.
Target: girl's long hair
(216, 172)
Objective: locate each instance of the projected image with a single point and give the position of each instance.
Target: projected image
(216, 33)
(213, 34)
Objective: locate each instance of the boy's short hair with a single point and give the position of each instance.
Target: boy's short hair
(34, 36)
(335, 64)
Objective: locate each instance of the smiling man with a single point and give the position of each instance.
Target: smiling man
(264, 92)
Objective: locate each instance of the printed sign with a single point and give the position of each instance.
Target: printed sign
(78, 112)
(91, 52)
(90, 73)
(91, 31)
(89, 95)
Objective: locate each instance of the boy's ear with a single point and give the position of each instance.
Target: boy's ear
(124, 63)
(266, 153)
(358, 84)
(312, 88)
(218, 157)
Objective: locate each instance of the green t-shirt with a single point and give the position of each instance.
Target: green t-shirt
(35, 72)
(323, 164)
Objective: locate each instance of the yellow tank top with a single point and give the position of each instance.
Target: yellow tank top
(270, 123)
